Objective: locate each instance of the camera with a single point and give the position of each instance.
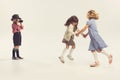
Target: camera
(20, 20)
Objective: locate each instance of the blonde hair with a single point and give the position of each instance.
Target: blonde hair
(92, 15)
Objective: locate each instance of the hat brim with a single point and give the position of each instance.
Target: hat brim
(14, 18)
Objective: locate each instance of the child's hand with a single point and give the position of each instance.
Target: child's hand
(77, 34)
(84, 35)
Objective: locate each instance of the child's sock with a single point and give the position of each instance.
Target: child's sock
(18, 56)
(96, 60)
(71, 51)
(105, 53)
(95, 56)
(13, 53)
(62, 55)
(64, 52)
(70, 54)
(17, 52)
(109, 56)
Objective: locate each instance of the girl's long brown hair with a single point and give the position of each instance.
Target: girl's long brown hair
(71, 20)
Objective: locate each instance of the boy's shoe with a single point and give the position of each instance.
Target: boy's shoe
(61, 59)
(110, 59)
(14, 58)
(19, 57)
(95, 64)
(70, 57)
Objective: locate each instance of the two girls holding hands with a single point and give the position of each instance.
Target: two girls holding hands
(97, 44)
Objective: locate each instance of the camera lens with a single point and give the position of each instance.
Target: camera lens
(20, 21)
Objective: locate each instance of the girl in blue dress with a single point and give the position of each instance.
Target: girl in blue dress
(97, 44)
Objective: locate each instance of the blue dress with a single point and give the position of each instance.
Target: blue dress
(96, 43)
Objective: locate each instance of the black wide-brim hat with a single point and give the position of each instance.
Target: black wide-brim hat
(15, 16)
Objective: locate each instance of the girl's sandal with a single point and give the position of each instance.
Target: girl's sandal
(110, 59)
(96, 64)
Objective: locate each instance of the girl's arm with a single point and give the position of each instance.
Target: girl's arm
(82, 30)
(21, 26)
(14, 27)
(70, 29)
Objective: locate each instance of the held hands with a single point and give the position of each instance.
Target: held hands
(84, 35)
(80, 32)
(77, 34)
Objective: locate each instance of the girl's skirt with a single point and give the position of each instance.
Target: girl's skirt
(70, 42)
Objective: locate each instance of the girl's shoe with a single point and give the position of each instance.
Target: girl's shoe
(62, 59)
(70, 57)
(110, 59)
(95, 64)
